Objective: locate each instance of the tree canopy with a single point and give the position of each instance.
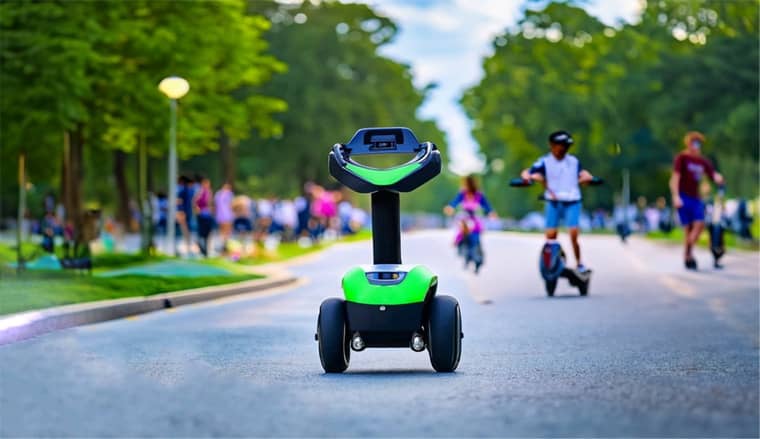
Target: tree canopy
(627, 94)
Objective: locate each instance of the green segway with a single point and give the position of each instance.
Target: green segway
(388, 304)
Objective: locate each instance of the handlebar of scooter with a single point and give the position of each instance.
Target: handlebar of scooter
(519, 182)
(596, 181)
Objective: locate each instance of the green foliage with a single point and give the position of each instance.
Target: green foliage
(628, 95)
(79, 63)
(336, 83)
(76, 63)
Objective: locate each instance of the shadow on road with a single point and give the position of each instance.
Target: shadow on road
(389, 373)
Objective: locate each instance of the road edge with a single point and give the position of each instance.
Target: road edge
(29, 324)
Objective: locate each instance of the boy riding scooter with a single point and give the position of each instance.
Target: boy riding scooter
(561, 175)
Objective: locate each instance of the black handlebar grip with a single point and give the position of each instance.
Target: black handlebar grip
(519, 182)
(596, 181)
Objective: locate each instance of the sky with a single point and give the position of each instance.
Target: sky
(444, 41)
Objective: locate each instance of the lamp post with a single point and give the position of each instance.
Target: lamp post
(174, 88)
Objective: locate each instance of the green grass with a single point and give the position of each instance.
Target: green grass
(29, 251)
(36, 290)
(42, 289)
(677, 237)
(290, 250)
(122, 260)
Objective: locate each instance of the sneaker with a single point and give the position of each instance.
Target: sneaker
(582, 269)
(691, 264)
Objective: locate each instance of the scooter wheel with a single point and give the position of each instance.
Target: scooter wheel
(444, 333)
(332, 335)
(551, 285)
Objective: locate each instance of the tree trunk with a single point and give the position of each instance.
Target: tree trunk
(74, 152)
(227, 153)
(123, 215)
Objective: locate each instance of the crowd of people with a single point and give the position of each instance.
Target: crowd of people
(225, 222)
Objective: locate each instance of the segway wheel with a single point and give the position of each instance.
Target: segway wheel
(444, 333)
(332, 335)
(551, 286)
(583, 287)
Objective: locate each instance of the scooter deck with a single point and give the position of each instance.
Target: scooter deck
(576, 278)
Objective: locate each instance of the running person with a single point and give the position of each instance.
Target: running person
(471, 200)
(688, 168)
(561, 174)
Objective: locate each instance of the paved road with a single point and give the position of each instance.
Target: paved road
(653, 351)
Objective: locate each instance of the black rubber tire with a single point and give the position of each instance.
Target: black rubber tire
(333, 337)
(551, 286)
(583, 287)
(444, 333)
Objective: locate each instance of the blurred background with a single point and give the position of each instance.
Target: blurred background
(274, 84)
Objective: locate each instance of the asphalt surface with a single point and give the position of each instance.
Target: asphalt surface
(653, 351)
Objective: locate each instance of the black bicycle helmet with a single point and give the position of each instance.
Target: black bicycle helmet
(561, 138)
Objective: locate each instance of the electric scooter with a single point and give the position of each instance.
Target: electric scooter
(552, 260)
(388, 304)
(716, 228)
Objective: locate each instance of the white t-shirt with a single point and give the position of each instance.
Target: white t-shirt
(561, 176)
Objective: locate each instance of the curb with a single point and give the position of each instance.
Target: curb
(25, 325)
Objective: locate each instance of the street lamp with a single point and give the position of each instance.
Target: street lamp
(174, 88)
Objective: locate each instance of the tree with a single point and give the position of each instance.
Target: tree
(336, 83)
(628, 95)
(91, 73)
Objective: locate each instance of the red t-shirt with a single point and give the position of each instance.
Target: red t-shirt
(692, 168)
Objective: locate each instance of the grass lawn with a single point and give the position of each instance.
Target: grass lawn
(730, 239)
(40, 289)
(289, 250)
(37, 289)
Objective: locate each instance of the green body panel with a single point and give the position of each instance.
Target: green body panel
(383, 177)
(412, 289)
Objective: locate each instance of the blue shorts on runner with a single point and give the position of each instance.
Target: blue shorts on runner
(692, 210)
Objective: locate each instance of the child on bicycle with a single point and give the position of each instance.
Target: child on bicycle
(470, 228)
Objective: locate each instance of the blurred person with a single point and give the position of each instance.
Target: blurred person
(184, 209)
(562, 175)
(744, 220)
(640, 218)
(689, 167)
(288, 217)
(621, 216)
(160, 209)
(665, 222)
(470, 228)
(345, 209)
(318, 221)
(598, 219)
(223, 211)
(358, 219)
(264, 216)
(48, 229)
(303, 208)
(242, 225)
(652, 216)
(202, 207)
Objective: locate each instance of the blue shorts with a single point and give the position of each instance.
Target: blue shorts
(570, 211)
(692, 210)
